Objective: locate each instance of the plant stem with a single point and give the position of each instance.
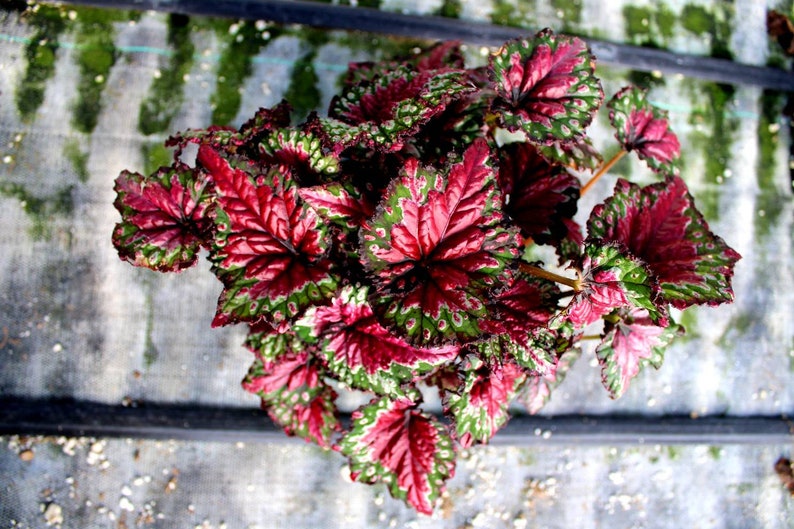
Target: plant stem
(602, 171)
(575, 284)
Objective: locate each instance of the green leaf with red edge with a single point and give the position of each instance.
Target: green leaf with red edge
(384, 112)
(542, 197)
(270, 247)
(295, 396)
(644, 129)
(360, 352)
(630, 343)
(165, 217)
(340, 203)
(546, 86)
(660, 225)
(303, 153)
(536, 391)
(435, 249)
(611, 279)
(479, 406)
(392, 442)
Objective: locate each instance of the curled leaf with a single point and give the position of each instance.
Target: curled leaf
(542, 198)
(611, 279)
(629, 343)
(295, 397)
(479, 405)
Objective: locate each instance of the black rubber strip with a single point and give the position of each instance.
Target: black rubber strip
(21, 416)
(439, 28)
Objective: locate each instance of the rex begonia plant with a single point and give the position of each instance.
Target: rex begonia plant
(389, 247)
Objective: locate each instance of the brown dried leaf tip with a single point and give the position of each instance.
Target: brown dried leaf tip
(785, 471)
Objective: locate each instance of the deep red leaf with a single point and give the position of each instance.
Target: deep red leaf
(542, 197)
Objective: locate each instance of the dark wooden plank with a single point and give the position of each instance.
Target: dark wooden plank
(439, 28)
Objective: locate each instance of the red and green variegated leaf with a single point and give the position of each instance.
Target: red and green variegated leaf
(269, 247)
(315, 420)
(577, 154)
(660, 225)
(340, 203)
(536, 391)
(294, 373)
(517, 315)
(644, 129)
(303, 153)
(435, 249)
(165, 217)
(360, 352)
(630, 343)
(268, 344)
(611, 279)
(295, 397)
(479, 405)
(392, 442)
(231, 141)
(546, 86)
(383, 112)
(542, 197)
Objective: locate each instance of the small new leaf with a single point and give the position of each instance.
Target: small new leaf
(611, 279)
(644, 129)
(546, 86)
(630, 343)
(390, 441)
